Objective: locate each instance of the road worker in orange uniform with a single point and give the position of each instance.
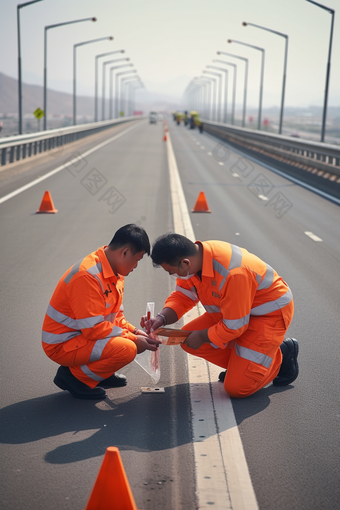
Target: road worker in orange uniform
(248, 310)
(85, 330)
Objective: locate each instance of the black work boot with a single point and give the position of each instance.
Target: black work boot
(222, 375)
(114, 381)
(289, 367)
(65, 380)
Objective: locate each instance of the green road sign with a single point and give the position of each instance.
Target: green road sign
(38, 113)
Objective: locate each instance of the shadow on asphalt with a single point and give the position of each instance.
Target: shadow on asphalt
(139, 422)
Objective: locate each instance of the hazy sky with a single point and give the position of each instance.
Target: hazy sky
(170, 42)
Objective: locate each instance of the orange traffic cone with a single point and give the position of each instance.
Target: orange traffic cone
(111, 490)
(201, 204)
(47, 205)
(165, 138)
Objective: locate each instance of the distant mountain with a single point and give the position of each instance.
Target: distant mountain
(58, 103)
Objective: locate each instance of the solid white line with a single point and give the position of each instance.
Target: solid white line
(65, 165)
(313, 236)
(263, 197)
(222, 475)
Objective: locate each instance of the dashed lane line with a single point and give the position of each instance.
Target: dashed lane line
(314, 237)
(222, 475)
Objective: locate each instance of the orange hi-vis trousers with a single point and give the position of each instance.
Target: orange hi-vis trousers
(84, 363)
(261, 340)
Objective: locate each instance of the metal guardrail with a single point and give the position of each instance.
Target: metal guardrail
(15, 148)
(322, 156)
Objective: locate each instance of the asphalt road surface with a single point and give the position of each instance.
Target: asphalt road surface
(52, 445)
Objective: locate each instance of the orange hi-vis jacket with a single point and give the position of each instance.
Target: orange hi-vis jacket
(86, 306)
(234, 286)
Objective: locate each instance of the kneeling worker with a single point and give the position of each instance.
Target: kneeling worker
(248, 311)
(85, 330)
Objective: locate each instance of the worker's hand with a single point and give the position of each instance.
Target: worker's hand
(196, 339)
(146, 344)
(140, 332)
(151, 324)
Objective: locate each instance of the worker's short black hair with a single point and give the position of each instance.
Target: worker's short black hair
(171, 249)
(133, 236)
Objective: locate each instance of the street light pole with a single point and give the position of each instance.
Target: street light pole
(219, 100)
(48, 27)
(96, 79)
(127, 85)
(261, 79)
(245, 81)
(211, 94)
(284, 67)
(234, 86)
(75, 46)
(104, 80)
(136, 87)
(110, 86)
(328, 72)
(19, 6)
(117, 89)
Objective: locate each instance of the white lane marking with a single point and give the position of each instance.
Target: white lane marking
(220, 163)
(263, 197)
(314, 237)
(202, 147)
(222, 475)
(65, 165)
(209, 153)
(234, 174)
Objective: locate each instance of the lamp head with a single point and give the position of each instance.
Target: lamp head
(127, 59)
(94, 19)
(110, 38)
(123, 51)
(244, 23)
(229, 40)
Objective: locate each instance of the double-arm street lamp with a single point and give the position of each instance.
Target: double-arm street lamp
(118, 75)
(328, 72)
(245, 24)
(104, 80)
(20, 6)
(219, 100)
(96, 79)
(261, 79)
(111, 80)
(245, 80)
(48, 27)
(75, 46)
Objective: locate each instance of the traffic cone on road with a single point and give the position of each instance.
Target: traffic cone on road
(164, 138)
(201, 204)
(111, 490)
(47, 205)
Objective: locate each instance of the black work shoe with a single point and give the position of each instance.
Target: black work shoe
(65, 380)
(115, 381)
(222, 375)
(289, 367)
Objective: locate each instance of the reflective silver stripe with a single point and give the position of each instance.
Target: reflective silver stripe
(91, 374)
(121, 308)
(116, 331)
(236, 323)
(96, 269)
(212, 308)
(221, 270)
(268, 278)
(98, 348)
(87, 322)
(214, 345)
(257, 357)
(74, 270)
(107, 305)
(51, 338)
(272, 306)
(186, 292)
(236, 257)
(99, 280)
(110, 317)
(258, 279)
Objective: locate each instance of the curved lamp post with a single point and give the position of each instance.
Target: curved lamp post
(123, 82)
(138, 85)
(234, 86)
(245, 80)
(127, 85)
(262, 73)
(19, 6)
(211, 95)
(219, 75)
(205, 85)
(118, 75)
(328, 72)
(111, 80)
(96, 79)
(226, 76)
(104, 80)
(75, 46)
(48, 27)
(245, 24)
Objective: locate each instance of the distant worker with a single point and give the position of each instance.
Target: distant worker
(248, 310)
(85, 330)
(185, 118)
(178, 119)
